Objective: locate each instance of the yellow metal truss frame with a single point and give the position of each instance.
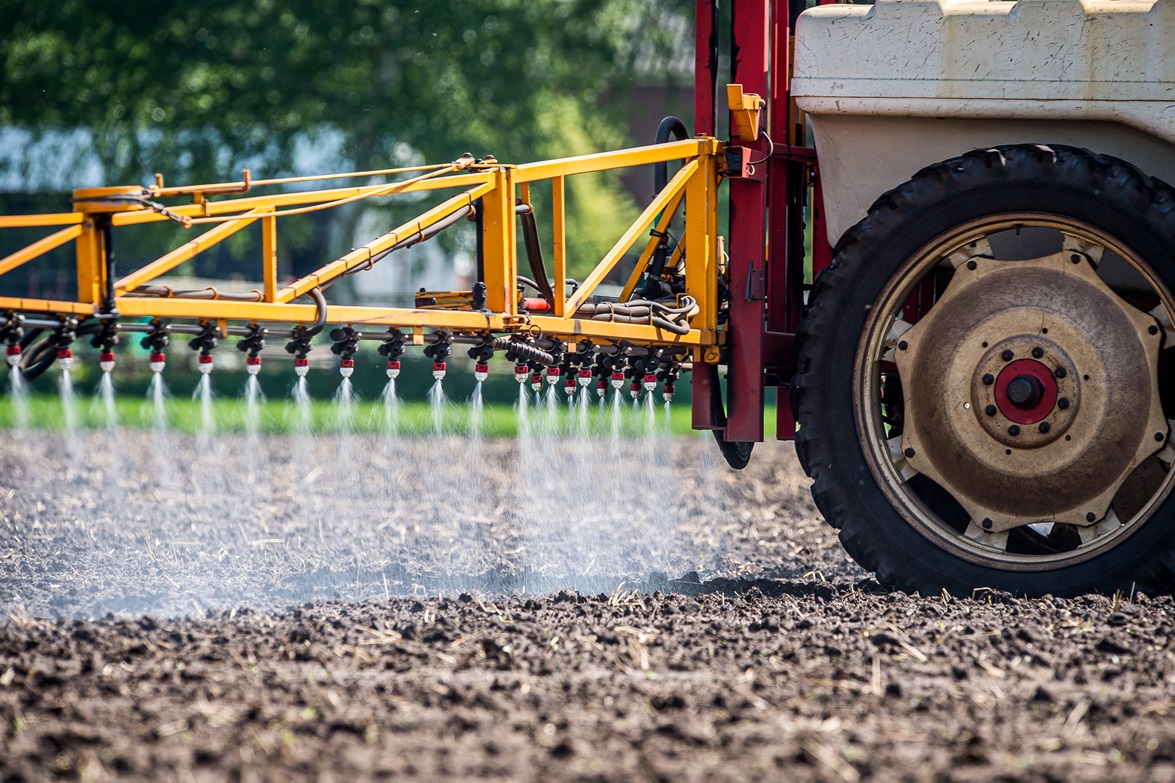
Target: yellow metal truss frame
(99, 211)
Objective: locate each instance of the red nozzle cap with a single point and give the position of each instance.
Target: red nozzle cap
(617, 375)
(521, 369)
(650, 377)
(252, 360)
(569, 382)
(301, 361)
(438, 366)
(64, 353)
(552, 371)
(14, 350)
(585, 373)
(393, 365)
(481, 368)
(158, 357)
(106, 356)
(668, 389)
(602, 385)
(635, 386)
(205, 358)
(536, 378)
(346, 362)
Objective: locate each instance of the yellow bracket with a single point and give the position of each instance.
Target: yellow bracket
(747, 108)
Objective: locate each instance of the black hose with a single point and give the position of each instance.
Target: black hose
(534, 253)
(320, 316)
(523, 350)
(670, 126)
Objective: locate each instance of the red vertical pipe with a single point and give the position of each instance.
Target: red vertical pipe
(750, 49)
(705, 76)
(777, 196)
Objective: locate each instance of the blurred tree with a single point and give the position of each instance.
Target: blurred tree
(201, 90)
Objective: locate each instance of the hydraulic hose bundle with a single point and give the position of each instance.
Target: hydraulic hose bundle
(643, 311)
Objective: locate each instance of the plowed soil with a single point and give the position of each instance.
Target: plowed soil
(719, 634)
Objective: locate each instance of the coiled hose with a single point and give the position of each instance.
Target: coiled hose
(643, 311)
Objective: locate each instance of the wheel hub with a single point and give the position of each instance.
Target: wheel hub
(1033, 392)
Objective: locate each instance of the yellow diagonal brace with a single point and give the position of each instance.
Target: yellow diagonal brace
(630, 236)
(184, 252)
(362, 254)
(39, 248)
(647, 254)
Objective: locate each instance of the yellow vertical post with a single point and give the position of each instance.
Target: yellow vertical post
(91, 261)
(269, 257)
(498, 244)
(558, 211)
(701, 229)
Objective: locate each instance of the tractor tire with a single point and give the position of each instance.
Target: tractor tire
(984, 378)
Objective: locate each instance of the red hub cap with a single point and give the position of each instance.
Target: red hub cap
(1025, 391)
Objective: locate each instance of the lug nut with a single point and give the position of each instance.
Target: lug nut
(903, 345)
(1045, 427)
(1007, 355)
(1152, 329)
(987, 524)
(988, 379)
(252, 364)
(1063, 403)
(972, 265)
(1014, 430)
(1060, 372)
(1090, 517)
(106, 361)
(1037, 352)
(909, 453)
(1160, 437)
(991, 410)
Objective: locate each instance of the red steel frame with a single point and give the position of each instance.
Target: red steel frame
(766, 244)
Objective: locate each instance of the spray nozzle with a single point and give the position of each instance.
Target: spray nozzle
(301, 365)
(617, 379)
(205, 363)
(667, 392)
(106, 361)
(438, 370)
(602, 389)
(155, 341)
(481, 371)
(393, 368)
(650, 381)
(346, 367)
(585, 376)
(536, 382)
(553, 375)
(13, 352)
(520, 372)
(65, 358)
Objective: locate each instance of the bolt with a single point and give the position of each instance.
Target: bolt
(1007, 355)
(1152, 329)
(1063, 403)
(987, 524)
(1060, 372)
(972, 265)
(988, 379)
(1160, 437)
(909, 453)
(1014, 430)
(990, 410)
(903, 345)
(1045, 427)
(1090, 517)
(1037, 352)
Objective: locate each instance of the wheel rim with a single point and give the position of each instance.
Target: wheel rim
(1007, 391)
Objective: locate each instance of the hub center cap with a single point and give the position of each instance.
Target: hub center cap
(1025, 392)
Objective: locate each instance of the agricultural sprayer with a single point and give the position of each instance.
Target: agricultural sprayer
(976, 345)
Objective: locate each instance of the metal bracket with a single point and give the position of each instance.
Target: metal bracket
(756, 284)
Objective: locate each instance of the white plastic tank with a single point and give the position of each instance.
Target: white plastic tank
(902, 84)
